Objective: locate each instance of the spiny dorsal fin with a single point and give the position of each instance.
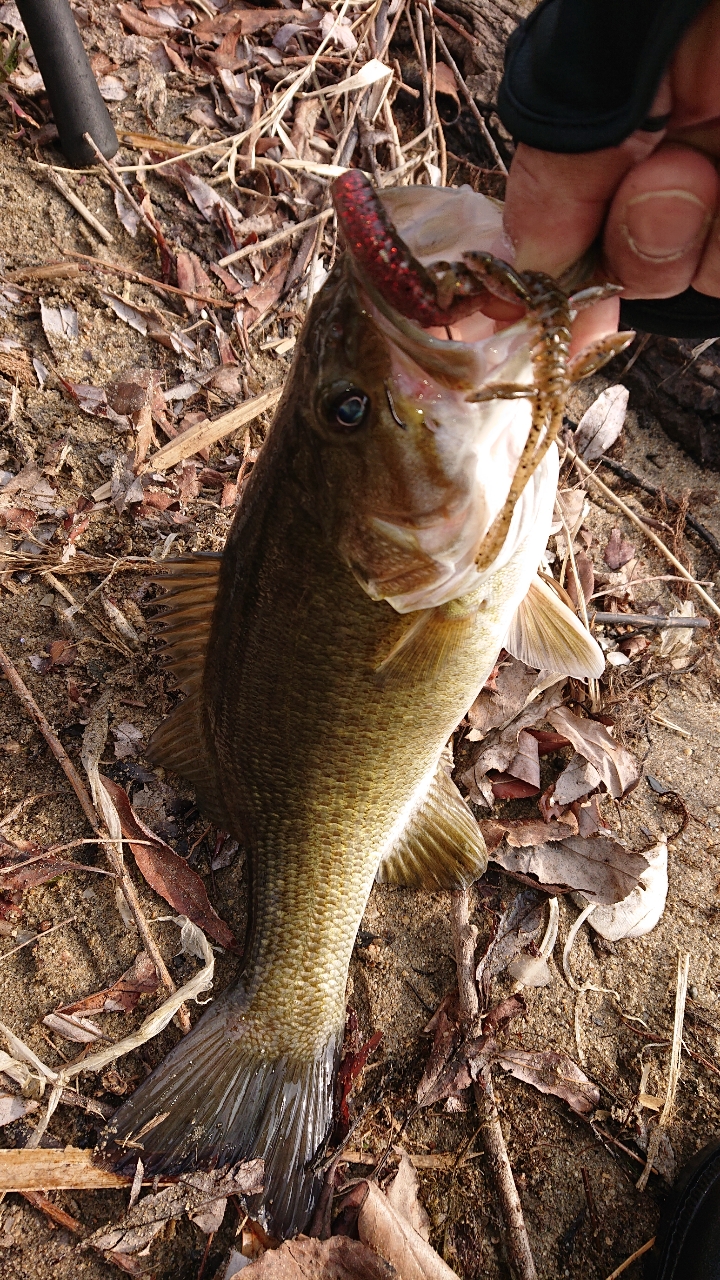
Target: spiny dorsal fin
(546, 634)
(190, 586)
(441, 846)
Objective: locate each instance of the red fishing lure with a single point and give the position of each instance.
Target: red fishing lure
(440, 296)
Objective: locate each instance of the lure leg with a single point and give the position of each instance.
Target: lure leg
(502, 391)
(598, 354)
(499, 278)
(595, 293)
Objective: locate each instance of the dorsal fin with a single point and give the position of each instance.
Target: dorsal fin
(184, 618)
(441, 846)
(546, 634)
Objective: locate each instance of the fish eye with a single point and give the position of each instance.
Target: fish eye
(349, 410)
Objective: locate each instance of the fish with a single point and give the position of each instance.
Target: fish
(326, 658)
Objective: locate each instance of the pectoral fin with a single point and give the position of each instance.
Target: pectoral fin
(546, 634)
(432, 639)
(441, 846)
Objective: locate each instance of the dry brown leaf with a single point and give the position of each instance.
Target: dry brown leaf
(403, 1194)
(500, 745)
(598, 866)
(23, 870)
(388, 1234)
(577, 779)
(525, 763)
(338, 1258)
(139, 980)
(616, 767)
(167, 873)
(446, 83)
(586, 574)
(495, 707)
(617, 552)
(193, 1194)
(551, 1072)
(519, 929)
(522, 832)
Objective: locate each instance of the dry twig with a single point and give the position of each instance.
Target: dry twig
(62, 187)
(114, 855)
(517, 1242)
(585, 470)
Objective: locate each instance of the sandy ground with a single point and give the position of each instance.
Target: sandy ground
(403, 962)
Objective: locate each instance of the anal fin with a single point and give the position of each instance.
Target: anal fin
(546, 634)
(441, 846)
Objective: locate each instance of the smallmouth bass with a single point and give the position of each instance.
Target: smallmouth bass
(327, 656)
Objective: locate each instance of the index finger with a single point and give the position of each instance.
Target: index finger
(555, 205)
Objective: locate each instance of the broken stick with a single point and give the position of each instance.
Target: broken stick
(116, 861)
(517, 1242)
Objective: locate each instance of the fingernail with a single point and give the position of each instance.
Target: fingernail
(661, 226)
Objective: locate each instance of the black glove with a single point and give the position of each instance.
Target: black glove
(581, 75)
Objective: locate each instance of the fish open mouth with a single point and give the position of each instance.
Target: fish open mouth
(415, 297)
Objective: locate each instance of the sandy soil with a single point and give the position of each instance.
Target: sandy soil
(403, 963)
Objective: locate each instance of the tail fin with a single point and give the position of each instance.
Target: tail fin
(213, 1102)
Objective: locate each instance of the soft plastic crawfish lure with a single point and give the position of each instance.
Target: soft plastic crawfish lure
(445, 293)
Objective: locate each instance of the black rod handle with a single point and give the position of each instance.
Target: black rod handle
(75, 99)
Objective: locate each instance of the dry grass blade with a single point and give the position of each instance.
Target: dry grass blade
(683, 970)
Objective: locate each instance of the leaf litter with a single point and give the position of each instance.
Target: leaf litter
(516, 754)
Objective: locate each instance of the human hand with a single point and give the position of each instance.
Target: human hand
(654, 198)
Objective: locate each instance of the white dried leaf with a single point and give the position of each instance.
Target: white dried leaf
(676, 642)
(59, 322)
(601, 424)
(72, 1027)
(637, 914)
(111, 89)
(122, 906)
(531, 971)
(124, 311)
(578, 778)
(127, 215)
(14, 1108)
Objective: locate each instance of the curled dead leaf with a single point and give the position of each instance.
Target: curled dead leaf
(616, 767)
(167, 873)
(599, 866)
(551, 1072)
